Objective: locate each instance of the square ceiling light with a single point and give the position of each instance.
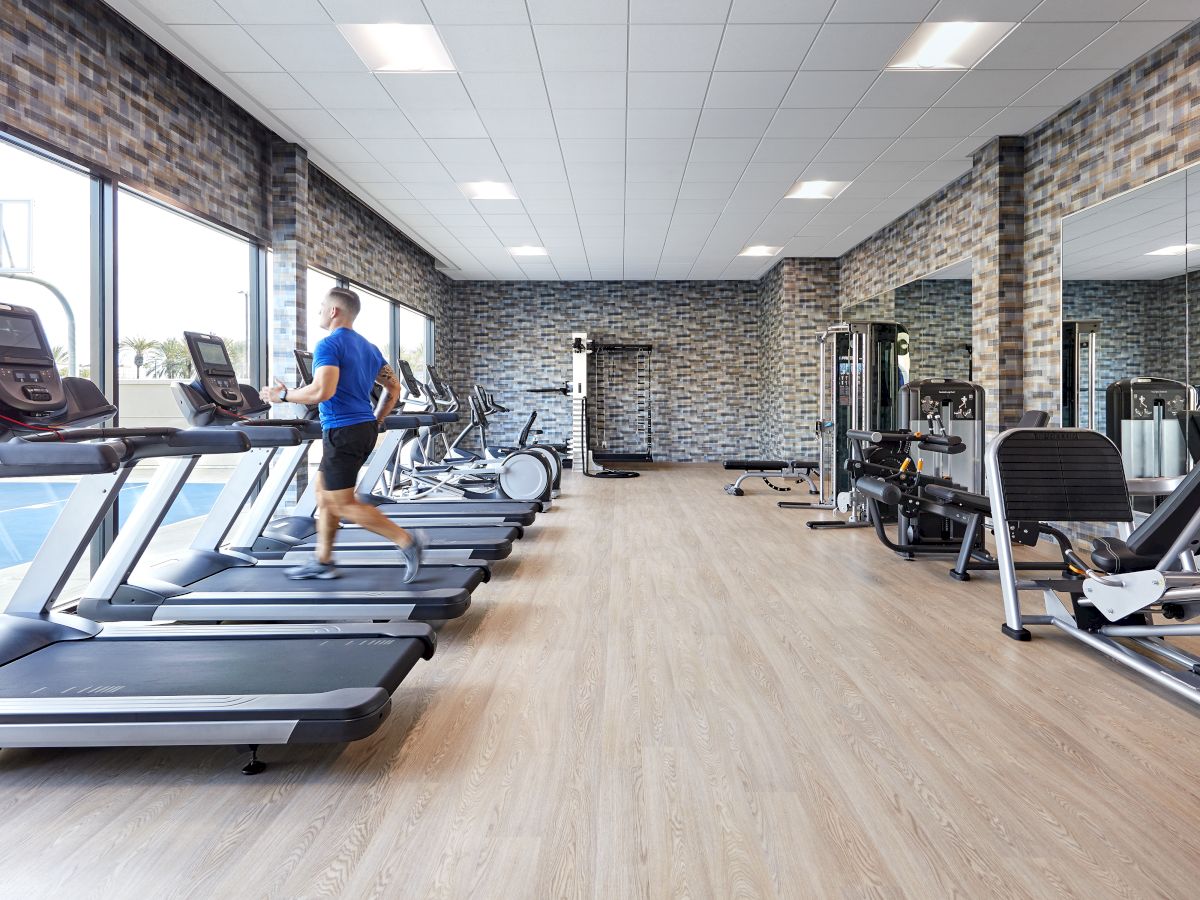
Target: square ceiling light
(528, 251)
(488, 190)
(1175, 250)
(941, 46)
(390, 47)
(816, 190)
(760, 250)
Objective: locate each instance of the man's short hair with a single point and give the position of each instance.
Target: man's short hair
(347, 300)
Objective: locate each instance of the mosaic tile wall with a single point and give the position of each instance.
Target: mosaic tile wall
(79, 78)
(798, 299)
(510, 336)
(1141, 328)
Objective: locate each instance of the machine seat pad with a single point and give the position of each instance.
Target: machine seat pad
(767, 465)
(973, 502)
(1112, 555)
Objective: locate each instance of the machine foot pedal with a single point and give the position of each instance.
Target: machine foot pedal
(1017, 634)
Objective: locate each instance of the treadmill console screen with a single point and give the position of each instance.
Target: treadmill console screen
(304, 363)
(20, 333)
(214, 354)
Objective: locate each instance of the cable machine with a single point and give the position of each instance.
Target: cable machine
(605, 431)
(863, 366)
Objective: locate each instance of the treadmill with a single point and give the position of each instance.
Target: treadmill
(67, 681)
(216, 398)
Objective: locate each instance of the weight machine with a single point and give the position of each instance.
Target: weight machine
(593, 389)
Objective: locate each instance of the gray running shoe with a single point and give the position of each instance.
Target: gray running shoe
(312, 569)
(412, 556)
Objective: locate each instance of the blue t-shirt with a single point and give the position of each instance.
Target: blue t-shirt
(359, 362)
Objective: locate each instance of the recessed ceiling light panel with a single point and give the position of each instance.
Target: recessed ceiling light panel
(816, 190)
(760, 250)
(488, 190)
(390, 47)
(938, 46)
(1175, 250)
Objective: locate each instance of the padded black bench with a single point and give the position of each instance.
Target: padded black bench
(766, 469)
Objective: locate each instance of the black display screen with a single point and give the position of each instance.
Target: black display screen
(213, 353)
(20, 333)
(304, 361)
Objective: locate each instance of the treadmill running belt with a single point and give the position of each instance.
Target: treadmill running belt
(118, 667)
(359, 581)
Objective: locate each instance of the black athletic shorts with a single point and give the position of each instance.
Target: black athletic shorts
(345, 451)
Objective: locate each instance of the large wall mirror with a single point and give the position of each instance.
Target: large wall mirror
(1128, 364)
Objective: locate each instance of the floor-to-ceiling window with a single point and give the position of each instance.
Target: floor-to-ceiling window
(45, 261)
(414, 340)
(175, 274)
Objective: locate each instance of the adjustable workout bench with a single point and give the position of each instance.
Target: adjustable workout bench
(766, 469)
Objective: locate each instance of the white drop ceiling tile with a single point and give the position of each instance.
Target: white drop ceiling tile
(713, 171)
(991, 88)
(581, 48)
(274, 90)
(421, 173)
(364, 171)
(851, 206)
(734, 123)
(449, 206)
(710, 205)
(490, 48)
(280, 12)
(723, 150)
(399, 151)
(312, 123)
(477, 171)
(518, 124)
(386, 190)
(837, 171)
(371, 12)
(1092, 11)
(1016, 120)
(506, 90)
(536, 171)
(980, 10)
(574, 151)
(908, 194)
(788, 150)
(652, 190)
(658, 151)
(1124, 43)
(673, 48)
(852, 149)
(675, 11)
(308, 48)
(543, 190)
(951, 122)
(817, 90)
(664, 90)
(563, 222)
(187, 12)
(462, 223)
(945, 170)
(911, 11)
(477, 12)
(909, 88)
(376, 124)
(596, 171)
(856, 46)
(227, 47)
(590, 124)
(647, 205)
(340, 150)
(548, 205)
(805, 123)
(586, 90)
(893, 172)
(1164, 10)
(426, 90)
(488, 207)
(433, 190)
(646, 222)
(405, 207)
(578, 12)
(343, 90)
(662, 123)
(861, 188)
(461, 150)
(657, 171)
(447, 123)
(781, 174)
(1062, 87)
(745, 90)
(918, 149)
(1042, 45)
(878, 123)
(756, 48)
(527, 151)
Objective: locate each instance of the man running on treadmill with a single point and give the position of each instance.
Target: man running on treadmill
(345, 368)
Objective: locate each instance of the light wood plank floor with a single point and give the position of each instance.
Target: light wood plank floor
(668, 692)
